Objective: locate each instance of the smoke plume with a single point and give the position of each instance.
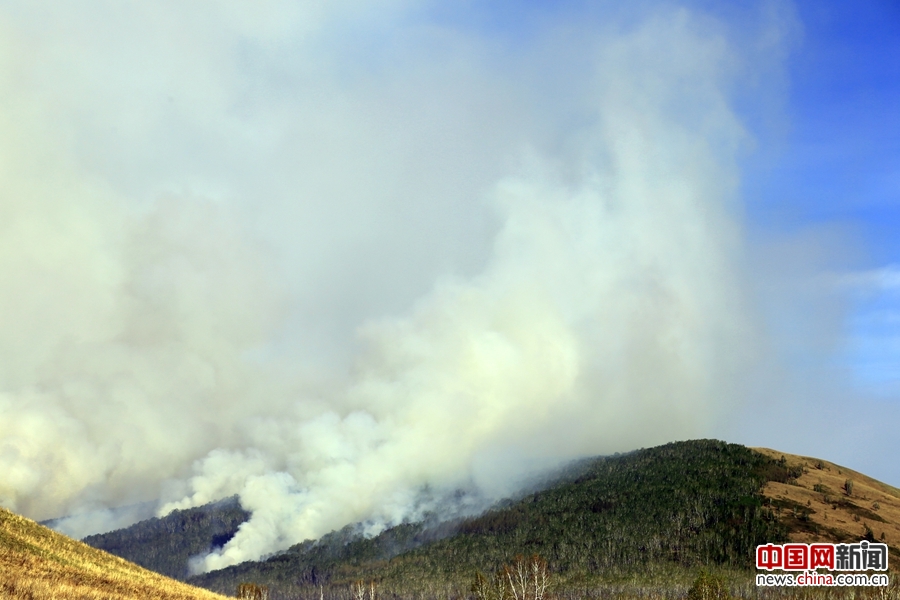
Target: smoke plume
(344, 289)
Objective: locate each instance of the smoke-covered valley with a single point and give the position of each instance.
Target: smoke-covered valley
(364, 261)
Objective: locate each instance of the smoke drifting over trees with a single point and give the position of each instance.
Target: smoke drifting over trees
(345, 263)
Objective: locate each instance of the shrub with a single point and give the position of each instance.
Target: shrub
(708, 587)
(251, 591)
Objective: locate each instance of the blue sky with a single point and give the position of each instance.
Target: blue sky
(837, 165)
(826, 178)
(839, 158)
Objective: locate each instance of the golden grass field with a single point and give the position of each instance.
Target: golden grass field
(37, 563)
(839, 516)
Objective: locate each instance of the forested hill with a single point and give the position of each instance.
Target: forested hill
(165, 545)
(676, 506)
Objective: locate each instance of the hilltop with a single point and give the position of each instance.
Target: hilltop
(657, 515)
(38, 563)
(651, 518)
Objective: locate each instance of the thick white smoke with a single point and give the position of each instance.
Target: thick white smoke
(601, 320)
(143, 331)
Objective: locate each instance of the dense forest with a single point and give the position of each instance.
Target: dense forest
(665, 511)
(165, 545)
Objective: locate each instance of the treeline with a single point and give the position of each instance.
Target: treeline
(165, 545)
(670, 509)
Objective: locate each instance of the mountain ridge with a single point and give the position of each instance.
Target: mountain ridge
(668, 509)
(661, 512)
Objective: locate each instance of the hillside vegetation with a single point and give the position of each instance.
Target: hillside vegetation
(638, 525)
(37, 563)
(165, 545)
(655, 514)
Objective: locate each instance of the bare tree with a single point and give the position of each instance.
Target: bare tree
(361, 591)
(251, 591)
(524, 579)
(540, 576)
(483, 588)
(517, 575)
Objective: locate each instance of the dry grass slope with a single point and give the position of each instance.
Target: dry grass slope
(819, 507)
(37, 563)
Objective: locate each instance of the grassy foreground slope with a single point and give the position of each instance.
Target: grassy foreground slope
(37, 563)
